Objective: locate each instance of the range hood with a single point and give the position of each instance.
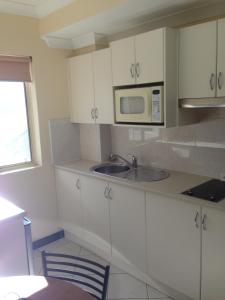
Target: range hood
(202, 103)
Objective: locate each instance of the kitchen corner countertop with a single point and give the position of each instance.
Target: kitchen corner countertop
(171, 187)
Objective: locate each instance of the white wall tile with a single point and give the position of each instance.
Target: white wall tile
(65, 140)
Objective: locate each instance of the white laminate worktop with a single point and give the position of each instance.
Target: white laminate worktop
(8, 210)
(172, 186)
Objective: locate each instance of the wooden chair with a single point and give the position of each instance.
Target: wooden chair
(87, 274)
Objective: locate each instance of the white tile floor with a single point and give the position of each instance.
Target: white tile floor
(121, 284)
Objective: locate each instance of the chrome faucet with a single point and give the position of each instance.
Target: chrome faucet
(132, 164)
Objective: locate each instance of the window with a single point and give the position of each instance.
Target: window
(15, 143)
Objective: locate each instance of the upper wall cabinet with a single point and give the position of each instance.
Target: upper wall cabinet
(90, 84)
(221, 59)
(81, 81)
(201, 60)
(123, 61)
(139, 59)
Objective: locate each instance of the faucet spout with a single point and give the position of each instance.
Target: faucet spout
(132, 164)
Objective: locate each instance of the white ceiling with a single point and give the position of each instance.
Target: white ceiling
(32, 8)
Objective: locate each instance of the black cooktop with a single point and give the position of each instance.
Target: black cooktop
(212, 190)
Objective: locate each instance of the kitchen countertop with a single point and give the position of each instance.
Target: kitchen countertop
(171, 187)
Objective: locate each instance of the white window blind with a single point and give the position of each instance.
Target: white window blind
(15, 68)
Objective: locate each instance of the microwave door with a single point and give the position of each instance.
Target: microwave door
(132, 107)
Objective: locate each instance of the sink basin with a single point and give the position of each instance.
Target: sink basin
(140, 174)
(147, 174)
(111, 168)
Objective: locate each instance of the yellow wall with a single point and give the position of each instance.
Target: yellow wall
(75, 12)
(34, 190)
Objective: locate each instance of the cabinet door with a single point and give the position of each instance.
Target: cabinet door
(69, 201)
(221, 59)
(96, 213)
(81, 88)
(149, 56)
(173, 243)
(127, 219)
(103, 86)
(197, 61)
(213, 255)
(123, 62)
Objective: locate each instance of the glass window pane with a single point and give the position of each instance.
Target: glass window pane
(132, 105)
(14, 143)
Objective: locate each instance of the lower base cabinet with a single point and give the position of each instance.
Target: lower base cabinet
(185, 243)
(213, 254)
(96, 212)
(127, 222)
(173, 244)
(70, 207)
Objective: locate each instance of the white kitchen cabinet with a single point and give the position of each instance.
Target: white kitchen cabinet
(197, 61)
(141, 59)
(213, 252)
(173, 244)
(90, 85)
(96, 213)
(81, 86)
(221, 59)
(149, 56)
(123, 61)
(103, 86)
(127, 223)
(70, 206)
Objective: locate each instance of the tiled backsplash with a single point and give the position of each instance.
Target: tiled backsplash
(65, 140)
(198, 149)
(71, 142)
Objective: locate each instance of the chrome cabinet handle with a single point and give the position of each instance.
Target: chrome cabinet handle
(137, 70)
(96, 113)
(212, 81)
(220, 80)
(93, 113)
(197, 220)
(110, 194)
(106, 192)
(132, 70)
(204, 222)
(78, 184)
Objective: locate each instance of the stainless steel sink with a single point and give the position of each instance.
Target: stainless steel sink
(147, 174)
(112, 169)
(121, 170)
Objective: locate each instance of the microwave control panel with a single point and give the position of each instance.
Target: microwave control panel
(157, 116)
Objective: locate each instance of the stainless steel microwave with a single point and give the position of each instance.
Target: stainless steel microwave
(139, 105)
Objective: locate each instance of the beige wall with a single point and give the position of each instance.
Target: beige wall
(34, 190)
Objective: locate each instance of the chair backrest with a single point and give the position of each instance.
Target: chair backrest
(87, 274)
